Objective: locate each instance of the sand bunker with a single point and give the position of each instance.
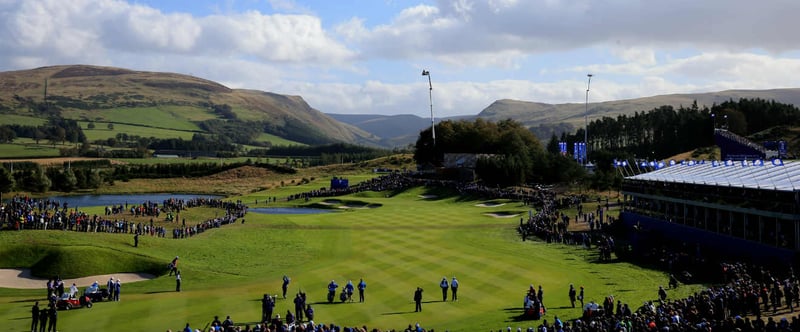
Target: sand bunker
(21, 278)
(427, 196)
(502, 215)
(331, 202)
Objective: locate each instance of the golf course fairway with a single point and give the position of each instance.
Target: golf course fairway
(395, 241)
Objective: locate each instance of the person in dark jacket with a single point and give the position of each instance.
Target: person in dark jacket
(34, 316)
(418, 299)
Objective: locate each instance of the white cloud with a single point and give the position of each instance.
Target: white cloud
(639, 55)
(74, 30)
(719, 44)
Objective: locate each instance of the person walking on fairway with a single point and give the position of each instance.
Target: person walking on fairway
(454, 289)
(444, 285)
(173, 266)
(285, 285)
(178, 281)
(361, 287)
(418, 300)
(580, 296)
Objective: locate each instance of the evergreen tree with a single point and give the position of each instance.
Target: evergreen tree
(6, 181)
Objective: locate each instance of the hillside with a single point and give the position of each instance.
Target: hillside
(168, 105)
(545, 119)
(533, 113)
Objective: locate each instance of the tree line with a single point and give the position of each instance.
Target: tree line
(666, 131)
(508, 153)
(32, 177)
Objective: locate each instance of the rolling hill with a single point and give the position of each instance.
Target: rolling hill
(169, 105)
(545, 119)
(173, 102)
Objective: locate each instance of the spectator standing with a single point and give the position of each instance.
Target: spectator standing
(117, 289)
(53, 313)
(110, 286)
(572, 293)
(444, 285)
(266, 308)
(309, 313)
(227, 323)
(299, 307)
(34, 316)
(178, 281)
(348, 288)
(43, 315)
(361, 287)
(418, 299)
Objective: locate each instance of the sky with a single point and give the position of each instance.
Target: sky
(367, 56)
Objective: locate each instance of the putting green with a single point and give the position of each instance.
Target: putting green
(406, 240)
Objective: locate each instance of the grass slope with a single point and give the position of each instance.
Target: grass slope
(404, 242)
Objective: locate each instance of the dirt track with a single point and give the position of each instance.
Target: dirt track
(21, 278)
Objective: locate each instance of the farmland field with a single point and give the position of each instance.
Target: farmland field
(101, 131)
(27, 148)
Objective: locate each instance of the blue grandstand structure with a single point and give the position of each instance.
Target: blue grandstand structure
(735, 209)
(735, 147)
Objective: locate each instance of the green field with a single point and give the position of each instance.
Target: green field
(401, 242)
(164, 117)
(276, 140)
(13, 119)
(27, 148)
(101, 131)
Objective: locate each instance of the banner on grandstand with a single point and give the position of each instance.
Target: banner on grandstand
(579, 152)
(744, 163)
(562, 148)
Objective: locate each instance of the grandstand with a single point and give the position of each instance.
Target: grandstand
(735, 147)
(747, 209)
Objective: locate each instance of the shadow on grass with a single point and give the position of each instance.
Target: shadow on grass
(515, 309)
(28, 300)
(523, 318)
(162, 291)
(398, 313)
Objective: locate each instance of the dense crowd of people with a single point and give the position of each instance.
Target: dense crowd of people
(26, 213)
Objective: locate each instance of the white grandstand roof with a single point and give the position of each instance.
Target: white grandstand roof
(777, 175)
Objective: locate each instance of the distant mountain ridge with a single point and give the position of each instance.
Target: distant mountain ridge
(181, 102)
(547, 119)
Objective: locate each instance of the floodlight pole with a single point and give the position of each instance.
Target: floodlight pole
(586, 120)
(430, 98)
